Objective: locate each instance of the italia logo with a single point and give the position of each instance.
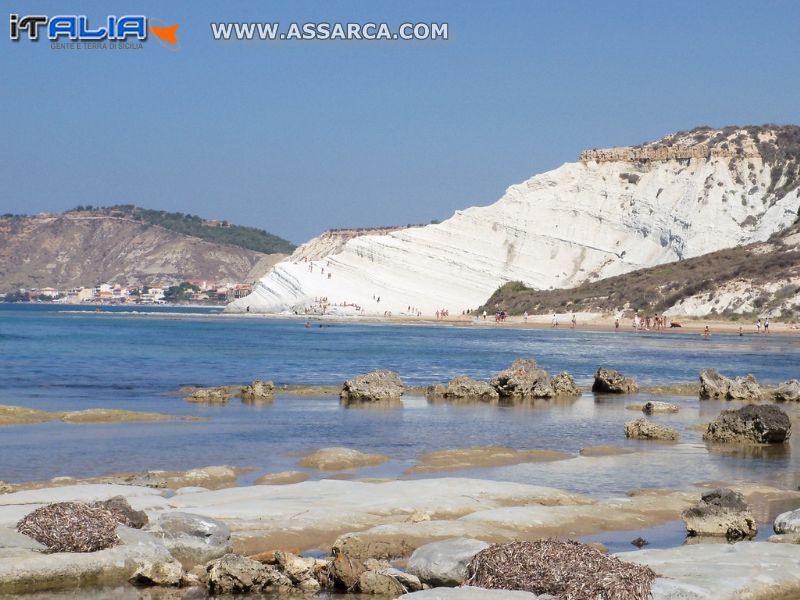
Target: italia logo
(77, 28)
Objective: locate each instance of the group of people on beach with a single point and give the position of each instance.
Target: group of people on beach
(442, 314)
(646, 323)
(765, 324)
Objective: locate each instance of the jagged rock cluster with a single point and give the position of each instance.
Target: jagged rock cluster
(378, 386)
(524, 380)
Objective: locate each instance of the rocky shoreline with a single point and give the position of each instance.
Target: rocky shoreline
(317, 529)
(384, 539)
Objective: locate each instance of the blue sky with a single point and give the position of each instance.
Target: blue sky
(299, 137)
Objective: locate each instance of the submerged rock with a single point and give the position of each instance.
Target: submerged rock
(752, 424)
(444, 563)
(720, 513)
(609, 381)
(715, 386)
(211, 395)
(282, 478)
(523, 380)
(642, 429)
(340, 459)
(258, 391)
(377, 386)
(656, 406)
(788, 391)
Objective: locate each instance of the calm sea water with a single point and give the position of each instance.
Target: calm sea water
(56, 358)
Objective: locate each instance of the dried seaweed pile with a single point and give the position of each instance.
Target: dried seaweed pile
(568, 570)
(71, 527)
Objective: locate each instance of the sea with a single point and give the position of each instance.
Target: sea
(73, 358)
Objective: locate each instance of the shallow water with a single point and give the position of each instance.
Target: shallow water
(73, 360)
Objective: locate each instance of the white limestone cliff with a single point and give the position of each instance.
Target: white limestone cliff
(612, 212)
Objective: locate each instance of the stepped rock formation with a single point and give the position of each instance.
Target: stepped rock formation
(612, 212)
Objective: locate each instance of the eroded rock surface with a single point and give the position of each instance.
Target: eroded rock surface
(642, 429)
(752, 424)
(720, 513)
(377, 386)
(609, 381)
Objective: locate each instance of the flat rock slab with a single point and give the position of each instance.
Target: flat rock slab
(473, 593)
(722, 571)
(28, 570)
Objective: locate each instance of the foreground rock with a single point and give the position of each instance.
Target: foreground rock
(237, 574)
(25, 570)
(480, 457)
(341, 459)
(642, 429)
(752, 424)
(444, 563)
(754, 570)
(609, 381)
(378, 386)
(462, 388)
(788, 522)
(788, 391)
(656, 406)
(258, 392)
(715, 386)
(192, 539)
(720, 513)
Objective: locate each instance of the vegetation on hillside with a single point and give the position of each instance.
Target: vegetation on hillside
(658, 288)
(219, 232)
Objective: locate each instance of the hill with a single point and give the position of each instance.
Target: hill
(754, 280)
(219, 232)
(613, 211)
(128, 245)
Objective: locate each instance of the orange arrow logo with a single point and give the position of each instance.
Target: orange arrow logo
(166, 33)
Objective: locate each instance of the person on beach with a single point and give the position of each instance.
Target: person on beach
(740, 331)
(616, 323)
(766, 325)
(574, 321)
(758, 326)
(525, 316)
(706, 332)
(555, 320)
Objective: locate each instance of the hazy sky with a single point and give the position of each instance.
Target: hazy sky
(298, 137)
